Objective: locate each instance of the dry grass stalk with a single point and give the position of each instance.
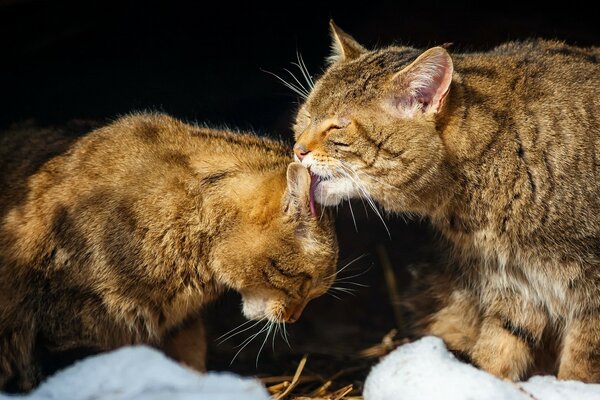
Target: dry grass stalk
(392, 287)
(295, 379)
(338, 395)
(388, 343)
(321, 390)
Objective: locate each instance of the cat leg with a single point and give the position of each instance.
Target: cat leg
(187, 344)
(510, 333)
(19, 372)
(580, 357)
(457, 322)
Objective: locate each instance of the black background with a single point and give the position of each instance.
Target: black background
(202, 61)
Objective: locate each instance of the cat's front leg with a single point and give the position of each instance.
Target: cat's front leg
(510, 332)
(187, 344)
(457, 322)
(580, 357)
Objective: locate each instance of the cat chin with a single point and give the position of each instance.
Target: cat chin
(258, 306)
(334, 191)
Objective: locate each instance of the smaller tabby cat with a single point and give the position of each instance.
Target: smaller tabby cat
(500, 151)
(121, 236)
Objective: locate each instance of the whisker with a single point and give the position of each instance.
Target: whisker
(242, 331)
(264, 341)
(352, 283)
(247, 342)
(347, 265)
(301, 61)
(236, 328)
(251, 337)
(333, 295)
(364, 192)
(302, 67)
(285, 336)
(345, 278)
(352, 213)
(289, 85)
(277, 327)
(344, 290)
(300, 85)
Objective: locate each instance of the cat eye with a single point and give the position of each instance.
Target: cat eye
(339, 144)
(332, 127)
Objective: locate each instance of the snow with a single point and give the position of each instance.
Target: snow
(425, 369)
(136, 373)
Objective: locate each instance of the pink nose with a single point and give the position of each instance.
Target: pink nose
(301, 151)
(293, 312)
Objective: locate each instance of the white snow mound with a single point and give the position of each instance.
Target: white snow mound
(425, 369)
(136, 373)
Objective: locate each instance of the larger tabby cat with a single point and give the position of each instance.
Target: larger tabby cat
(500, 150)
(122, 236)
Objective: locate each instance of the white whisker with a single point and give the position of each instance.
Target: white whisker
(333, 295)
(309, 78)
(351, 283)
(360, 186)
(264, 341)
(352, 213)
(289, 85)
(346, 266)
(300, 85)
(285, 336)
(344, 290)
(345, 278)
(221, 341)
(302, 67)
(234, 329)
(247, 341)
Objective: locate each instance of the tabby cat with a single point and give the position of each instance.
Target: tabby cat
(121, 236)
(500, 151)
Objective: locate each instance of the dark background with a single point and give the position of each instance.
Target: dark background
(202, 61)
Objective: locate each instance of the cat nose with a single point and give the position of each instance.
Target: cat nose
(293, 312)
(300, 150)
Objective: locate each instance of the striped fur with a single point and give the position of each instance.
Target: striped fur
(123, 235)
(506, 169)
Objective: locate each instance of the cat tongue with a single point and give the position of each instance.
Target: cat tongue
(314, 180)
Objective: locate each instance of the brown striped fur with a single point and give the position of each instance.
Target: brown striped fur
(500, 151)
(123, 235)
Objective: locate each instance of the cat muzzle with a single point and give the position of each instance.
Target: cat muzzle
(293, 312)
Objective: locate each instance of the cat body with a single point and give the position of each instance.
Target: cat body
(500, 151)
(123, 235)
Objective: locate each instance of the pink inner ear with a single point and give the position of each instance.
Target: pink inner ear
(425, 82)
(432, 84)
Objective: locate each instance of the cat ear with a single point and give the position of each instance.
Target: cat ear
(298, 187)
(424, 84)
(343, 46)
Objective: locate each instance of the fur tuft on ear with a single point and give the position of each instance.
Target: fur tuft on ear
(343, 46)
(298, 190)
(424, 84)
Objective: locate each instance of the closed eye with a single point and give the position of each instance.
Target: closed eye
(288, 274)
(340, 144)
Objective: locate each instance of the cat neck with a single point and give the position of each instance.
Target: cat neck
(468, 131)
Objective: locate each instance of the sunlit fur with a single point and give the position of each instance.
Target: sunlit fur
(123, 235)
(503, 163)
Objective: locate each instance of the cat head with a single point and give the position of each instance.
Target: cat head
(284, 253)
(368, 127)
